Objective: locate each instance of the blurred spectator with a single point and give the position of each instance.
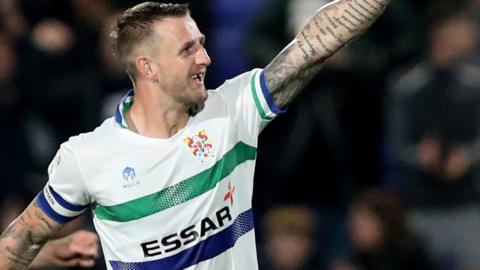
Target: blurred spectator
(55, 55)
(14, 155)
(380, 236)
(433, 136)
(433, 116)
(289, 244)
(44, 54)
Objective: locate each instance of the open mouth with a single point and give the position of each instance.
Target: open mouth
(198, 77)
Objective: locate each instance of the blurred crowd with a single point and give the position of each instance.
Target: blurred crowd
(374, 166)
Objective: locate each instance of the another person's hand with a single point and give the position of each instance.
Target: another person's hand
(77, 249)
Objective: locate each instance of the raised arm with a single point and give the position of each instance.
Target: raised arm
(23, 239)
(332, 27)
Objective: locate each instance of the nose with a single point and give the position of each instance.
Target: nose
(202, 57)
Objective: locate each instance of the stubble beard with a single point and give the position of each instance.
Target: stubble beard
(194, 107)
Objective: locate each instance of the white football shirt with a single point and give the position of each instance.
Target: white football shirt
(177, 203)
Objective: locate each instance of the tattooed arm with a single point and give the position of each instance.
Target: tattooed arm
(331, 28)
(23, 239)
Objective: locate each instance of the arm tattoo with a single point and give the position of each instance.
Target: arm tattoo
(278, 76)
(365, 9)
(331, 28)
(23, 239)
(306, 55)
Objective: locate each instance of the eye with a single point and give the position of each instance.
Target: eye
(188, 50)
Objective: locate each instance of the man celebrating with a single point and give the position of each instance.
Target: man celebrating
(169, 178)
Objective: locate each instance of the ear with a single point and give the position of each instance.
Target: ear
(145, 67)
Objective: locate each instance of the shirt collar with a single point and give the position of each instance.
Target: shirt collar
(123, 107)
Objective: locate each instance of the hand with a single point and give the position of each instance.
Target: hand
(458, 162)
(77, 249)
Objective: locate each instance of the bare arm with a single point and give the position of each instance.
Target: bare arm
(23, 239)
(331, 28)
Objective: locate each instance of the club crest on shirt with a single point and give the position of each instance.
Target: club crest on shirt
(200, 146)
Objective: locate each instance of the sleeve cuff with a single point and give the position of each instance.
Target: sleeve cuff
(268, 96)
(56, 207)
(263, 99)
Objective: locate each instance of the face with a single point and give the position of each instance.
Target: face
(365, 229)
(179, 61)
(289, 251)
(451, 49)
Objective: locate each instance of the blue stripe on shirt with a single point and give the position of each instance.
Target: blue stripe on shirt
(203, 250)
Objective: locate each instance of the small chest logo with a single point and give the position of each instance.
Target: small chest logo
(200, 146)
(129, 174)
(129, 177)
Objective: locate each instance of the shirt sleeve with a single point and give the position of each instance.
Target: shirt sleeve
(64, 197)
(249, 100)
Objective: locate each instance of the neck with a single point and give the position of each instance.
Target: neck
(152, 116)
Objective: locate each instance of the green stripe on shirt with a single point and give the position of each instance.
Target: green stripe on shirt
(181, 192)
(260, 110)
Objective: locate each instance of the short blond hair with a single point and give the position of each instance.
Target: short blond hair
(135, 26)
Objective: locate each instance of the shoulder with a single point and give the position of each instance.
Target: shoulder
(236, 89)
(246, 79)
(99, 135)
